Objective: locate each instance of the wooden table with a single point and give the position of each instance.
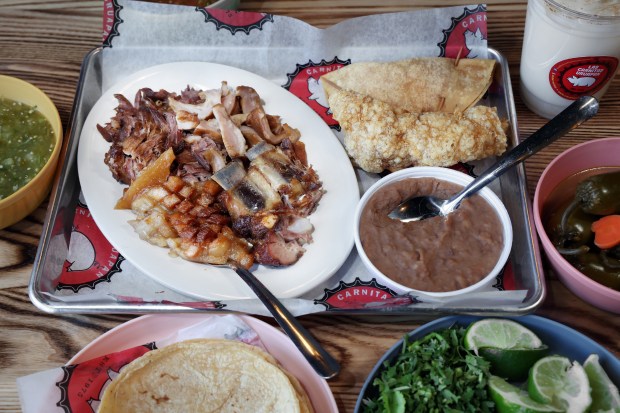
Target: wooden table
(44, 42)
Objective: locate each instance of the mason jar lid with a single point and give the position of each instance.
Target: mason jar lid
(592, 11)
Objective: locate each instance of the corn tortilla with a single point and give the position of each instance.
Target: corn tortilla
(434, 84)
(205, 375)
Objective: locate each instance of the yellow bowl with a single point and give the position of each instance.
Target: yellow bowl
(26, 199)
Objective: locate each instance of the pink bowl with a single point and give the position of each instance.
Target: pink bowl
(592, 154)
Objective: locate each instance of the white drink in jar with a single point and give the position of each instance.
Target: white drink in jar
(571, 48)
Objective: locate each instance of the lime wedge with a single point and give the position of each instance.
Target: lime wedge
(555, 380)
(499, 333)
(605, 397)
(513, 363)
(511, 399)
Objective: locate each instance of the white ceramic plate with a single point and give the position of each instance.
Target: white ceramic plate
(333, 219)
(150, 328)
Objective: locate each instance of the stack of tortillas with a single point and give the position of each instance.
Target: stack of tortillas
(205, 375)
(415, 112)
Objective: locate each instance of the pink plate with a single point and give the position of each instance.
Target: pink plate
(157, 326)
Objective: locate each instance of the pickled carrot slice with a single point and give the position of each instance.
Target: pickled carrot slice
(607, 231)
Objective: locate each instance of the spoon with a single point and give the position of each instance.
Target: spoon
(423, 207)
(320, 360)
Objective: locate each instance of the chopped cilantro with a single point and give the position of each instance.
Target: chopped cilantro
(433, 374)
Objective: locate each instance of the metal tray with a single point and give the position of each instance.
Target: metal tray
(51, 254)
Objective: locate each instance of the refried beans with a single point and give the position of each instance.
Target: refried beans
(437, 254)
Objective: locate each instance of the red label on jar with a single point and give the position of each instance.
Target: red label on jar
(572, 78)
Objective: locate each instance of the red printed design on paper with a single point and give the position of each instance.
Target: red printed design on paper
(572, 78)
(304, 83)
(363, 294)
(235, 21)
(111, 21)
(467, 33)
(82, 385)
(91, 259)
(505, 280)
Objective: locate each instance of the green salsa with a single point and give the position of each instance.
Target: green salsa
(26, 143)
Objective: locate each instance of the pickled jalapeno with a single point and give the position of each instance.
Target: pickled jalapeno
(600, 194)
(570, 226)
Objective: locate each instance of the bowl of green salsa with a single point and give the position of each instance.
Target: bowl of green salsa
(30, 141)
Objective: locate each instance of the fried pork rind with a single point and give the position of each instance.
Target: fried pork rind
(433, 84)
(205, 375)
(185, 218)
(378, 138)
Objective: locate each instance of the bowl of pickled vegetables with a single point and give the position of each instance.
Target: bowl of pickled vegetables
(577, 217)
(30, 142)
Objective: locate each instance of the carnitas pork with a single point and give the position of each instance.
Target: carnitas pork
(212, 176)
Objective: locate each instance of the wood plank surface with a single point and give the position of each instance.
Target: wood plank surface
(44, 42)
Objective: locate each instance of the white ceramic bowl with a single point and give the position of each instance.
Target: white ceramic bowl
(592, 154)
(444, 174)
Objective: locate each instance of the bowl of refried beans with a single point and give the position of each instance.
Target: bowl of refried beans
(440, 256)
